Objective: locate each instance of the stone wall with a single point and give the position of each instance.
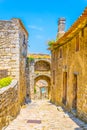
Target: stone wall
(69, 73)
(42, 66)
(27, 79)
(9, 48)
(13, 52)
(23, 39)
(9, 106)
(3, 73)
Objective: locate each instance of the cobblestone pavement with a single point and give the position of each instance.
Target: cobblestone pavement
(45, 116)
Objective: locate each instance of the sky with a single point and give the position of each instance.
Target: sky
(40, 18)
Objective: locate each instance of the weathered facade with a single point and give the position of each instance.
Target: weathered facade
(39, 69)
(13, 52)
(69, 68)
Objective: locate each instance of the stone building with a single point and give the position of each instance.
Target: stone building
(13, 52)
(69, 67)
(39, 75)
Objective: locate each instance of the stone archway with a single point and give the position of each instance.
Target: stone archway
(39, 69)
(43, 89)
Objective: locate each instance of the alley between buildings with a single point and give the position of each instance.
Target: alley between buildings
(43, 115)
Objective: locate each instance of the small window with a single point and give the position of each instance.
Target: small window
(53, 56)
(60, 53)
(77, 43)
(82, 32)
(53, 76)
(24, 40)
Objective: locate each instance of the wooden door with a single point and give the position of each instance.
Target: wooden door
(64, 87)
(75, 92)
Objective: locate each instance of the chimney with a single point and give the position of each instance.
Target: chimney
(61, 27)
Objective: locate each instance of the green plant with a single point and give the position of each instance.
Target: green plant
(5, 82)
(31, 59)
(50, 43)
(34, 90)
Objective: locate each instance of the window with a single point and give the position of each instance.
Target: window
(60, 55)
(82, 32)
(24, 39)
(77, 43)
(53, 76)
(53, 56)
(24, 46)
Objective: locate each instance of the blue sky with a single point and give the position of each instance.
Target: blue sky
(40, 18)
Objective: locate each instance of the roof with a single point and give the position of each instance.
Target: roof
(79, 24)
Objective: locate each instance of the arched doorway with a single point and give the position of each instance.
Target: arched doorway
(42, 87)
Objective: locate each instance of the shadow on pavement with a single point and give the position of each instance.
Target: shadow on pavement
(82, 125)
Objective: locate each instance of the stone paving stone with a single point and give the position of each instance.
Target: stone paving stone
(51, 118)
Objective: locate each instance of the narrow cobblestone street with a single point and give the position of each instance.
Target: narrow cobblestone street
(42, 115)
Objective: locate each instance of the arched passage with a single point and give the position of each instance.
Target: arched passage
(44, 85)
(39, 69)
